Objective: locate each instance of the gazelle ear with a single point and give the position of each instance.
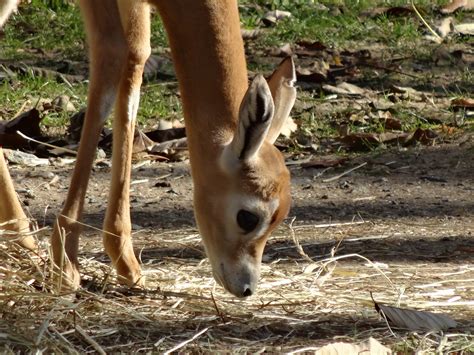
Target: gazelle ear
(284, 95)
(255, 117)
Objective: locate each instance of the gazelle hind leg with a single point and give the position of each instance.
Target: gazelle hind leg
(107, 53)
(12, 217)
(6, 8)
(117, 225)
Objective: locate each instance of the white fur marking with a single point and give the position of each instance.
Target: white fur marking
(133, 103)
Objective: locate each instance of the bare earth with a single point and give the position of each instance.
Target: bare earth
(400, 227)
(417, 209)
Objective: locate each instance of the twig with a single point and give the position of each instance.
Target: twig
(219, 313)
(426, 23)
(91, 341)
(327, 225)
(299, 248)
(345, 173)
(180, 345)
(70, 151)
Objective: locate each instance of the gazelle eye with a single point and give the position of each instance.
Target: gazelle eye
(247, 220)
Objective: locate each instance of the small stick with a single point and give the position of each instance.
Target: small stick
(327, 225)
(299, 248)
(91, 341)
(345, 173)
(426, 23)
(46, 144)
(180, 345)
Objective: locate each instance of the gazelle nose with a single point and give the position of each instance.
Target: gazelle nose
(247, 291)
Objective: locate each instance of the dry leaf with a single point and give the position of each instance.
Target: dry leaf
(283, 51)
(462, 103)
(423, 136)
(345, 89)
(141, 143)
(457, 5)
(368, 347)
(395, 11)
(24, 159)
(392, 123)
(317, 73)
(288, 127)
(310, 49)
(414, 320)
(163, 135)
(251, 34)
(272, 17)
(445, 27)
(62, 103)
(27, 123)
(324, 162)
(361, 140)
(180, 143)
(466, 29)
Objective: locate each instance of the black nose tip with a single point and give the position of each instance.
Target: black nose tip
(247, 292)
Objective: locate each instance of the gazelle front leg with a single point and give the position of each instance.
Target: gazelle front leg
(107, 52)
(117, 225)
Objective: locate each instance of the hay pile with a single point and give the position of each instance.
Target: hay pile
(309, 296)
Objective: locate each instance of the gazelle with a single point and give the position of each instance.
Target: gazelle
(241, 183)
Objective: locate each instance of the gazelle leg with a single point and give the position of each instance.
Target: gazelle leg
(6, 8)
(107, 52)
(117, 225)
(12, 217)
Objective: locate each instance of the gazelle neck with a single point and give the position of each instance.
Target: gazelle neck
(209, 59)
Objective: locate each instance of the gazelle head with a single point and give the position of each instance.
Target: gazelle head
(249, 195)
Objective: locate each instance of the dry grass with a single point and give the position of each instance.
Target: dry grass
(301, 304)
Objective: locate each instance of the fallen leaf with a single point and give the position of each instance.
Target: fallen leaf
(406, 91)
(445, 27)
(316, 73)
(357, 118)
(423, 136)
(164, 147)
(163, 135)
(272, 17)
(415, 320)
(283, 51)
(141, 143)
(24, 159)
(466, 29)
(361, 140)
(23, 68)
(76, 122)
(289, 126)
(251, 34)
(381, 103)
(390, 122)
(62, 103)
(393, 137)
(462, 103)
(158, 67)
(313, 46)
(395, 11)
(345, 89)
(27, 123)
(310, 49)
(324, 162)
(457, 5)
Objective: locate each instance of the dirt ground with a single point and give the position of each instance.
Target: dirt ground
(409, 211)
(399, 226)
